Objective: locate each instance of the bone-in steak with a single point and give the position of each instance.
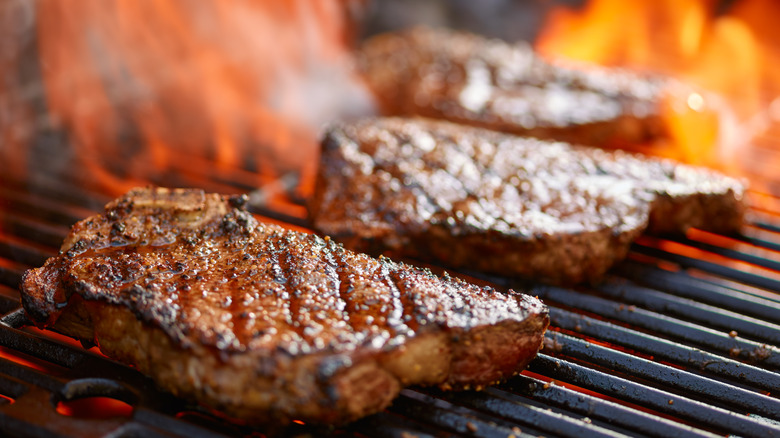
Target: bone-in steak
(478, 199)
(473, 80)
(269, 324)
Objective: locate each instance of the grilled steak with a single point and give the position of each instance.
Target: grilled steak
(469, 79)
(269, 324)
(478, 199)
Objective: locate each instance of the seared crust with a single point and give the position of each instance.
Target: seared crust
(478, 199)
(469, 79)
(268, 324)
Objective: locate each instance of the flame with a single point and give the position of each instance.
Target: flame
(147, 87)
(733, 56)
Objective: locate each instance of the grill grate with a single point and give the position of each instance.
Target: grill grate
(683, 339)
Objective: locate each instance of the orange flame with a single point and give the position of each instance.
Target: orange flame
(734, 54)
(144, 87)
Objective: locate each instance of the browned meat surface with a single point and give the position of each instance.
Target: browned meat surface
(268, 324)
(469, 79)
(478, 199)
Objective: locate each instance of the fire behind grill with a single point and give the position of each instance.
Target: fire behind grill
(681, 340)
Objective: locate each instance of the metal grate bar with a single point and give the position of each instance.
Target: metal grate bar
(682, 284)
(628, 422)
(14, 318)
(766, 226)
(714, 268)
(387, 425)
(54, 211)
(42, 348)
(11, 387)
(758, 242)
(33, 229)
(767, 355)
(22, 428)
(11, 273)
(671, 305)
(596, 407)
(666, 350)
(662, 401)
(13, 249)
(42, 379)
(451, 418)
(680, 380)
(9, 300)
(61, 190)
(172, 426)
(533, 419)
(728, 252)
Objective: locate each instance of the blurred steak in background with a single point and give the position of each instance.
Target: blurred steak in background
(470, 79)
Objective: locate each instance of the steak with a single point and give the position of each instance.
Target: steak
(268, 324)
(473, 80)
(477, 199)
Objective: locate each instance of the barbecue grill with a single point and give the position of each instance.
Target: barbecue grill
(682, 339)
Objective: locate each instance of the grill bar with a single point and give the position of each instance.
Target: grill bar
(731, 253)
(33, 229)
(691, 358)
(46, 209)
(388, 425)
(758, 242)
(686, 331)
(767, 226)
(10, 369)
(683, 285)
(595, 407)
(660, 374)
(525, 412)
(710, 267)
(671, 305)
(659, 400)
(42, 348)
(11, 274)
(22, 252)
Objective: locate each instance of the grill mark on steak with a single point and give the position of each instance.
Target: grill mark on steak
(396, 304)
(482, 200)
(289, 298)
(343, 288)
